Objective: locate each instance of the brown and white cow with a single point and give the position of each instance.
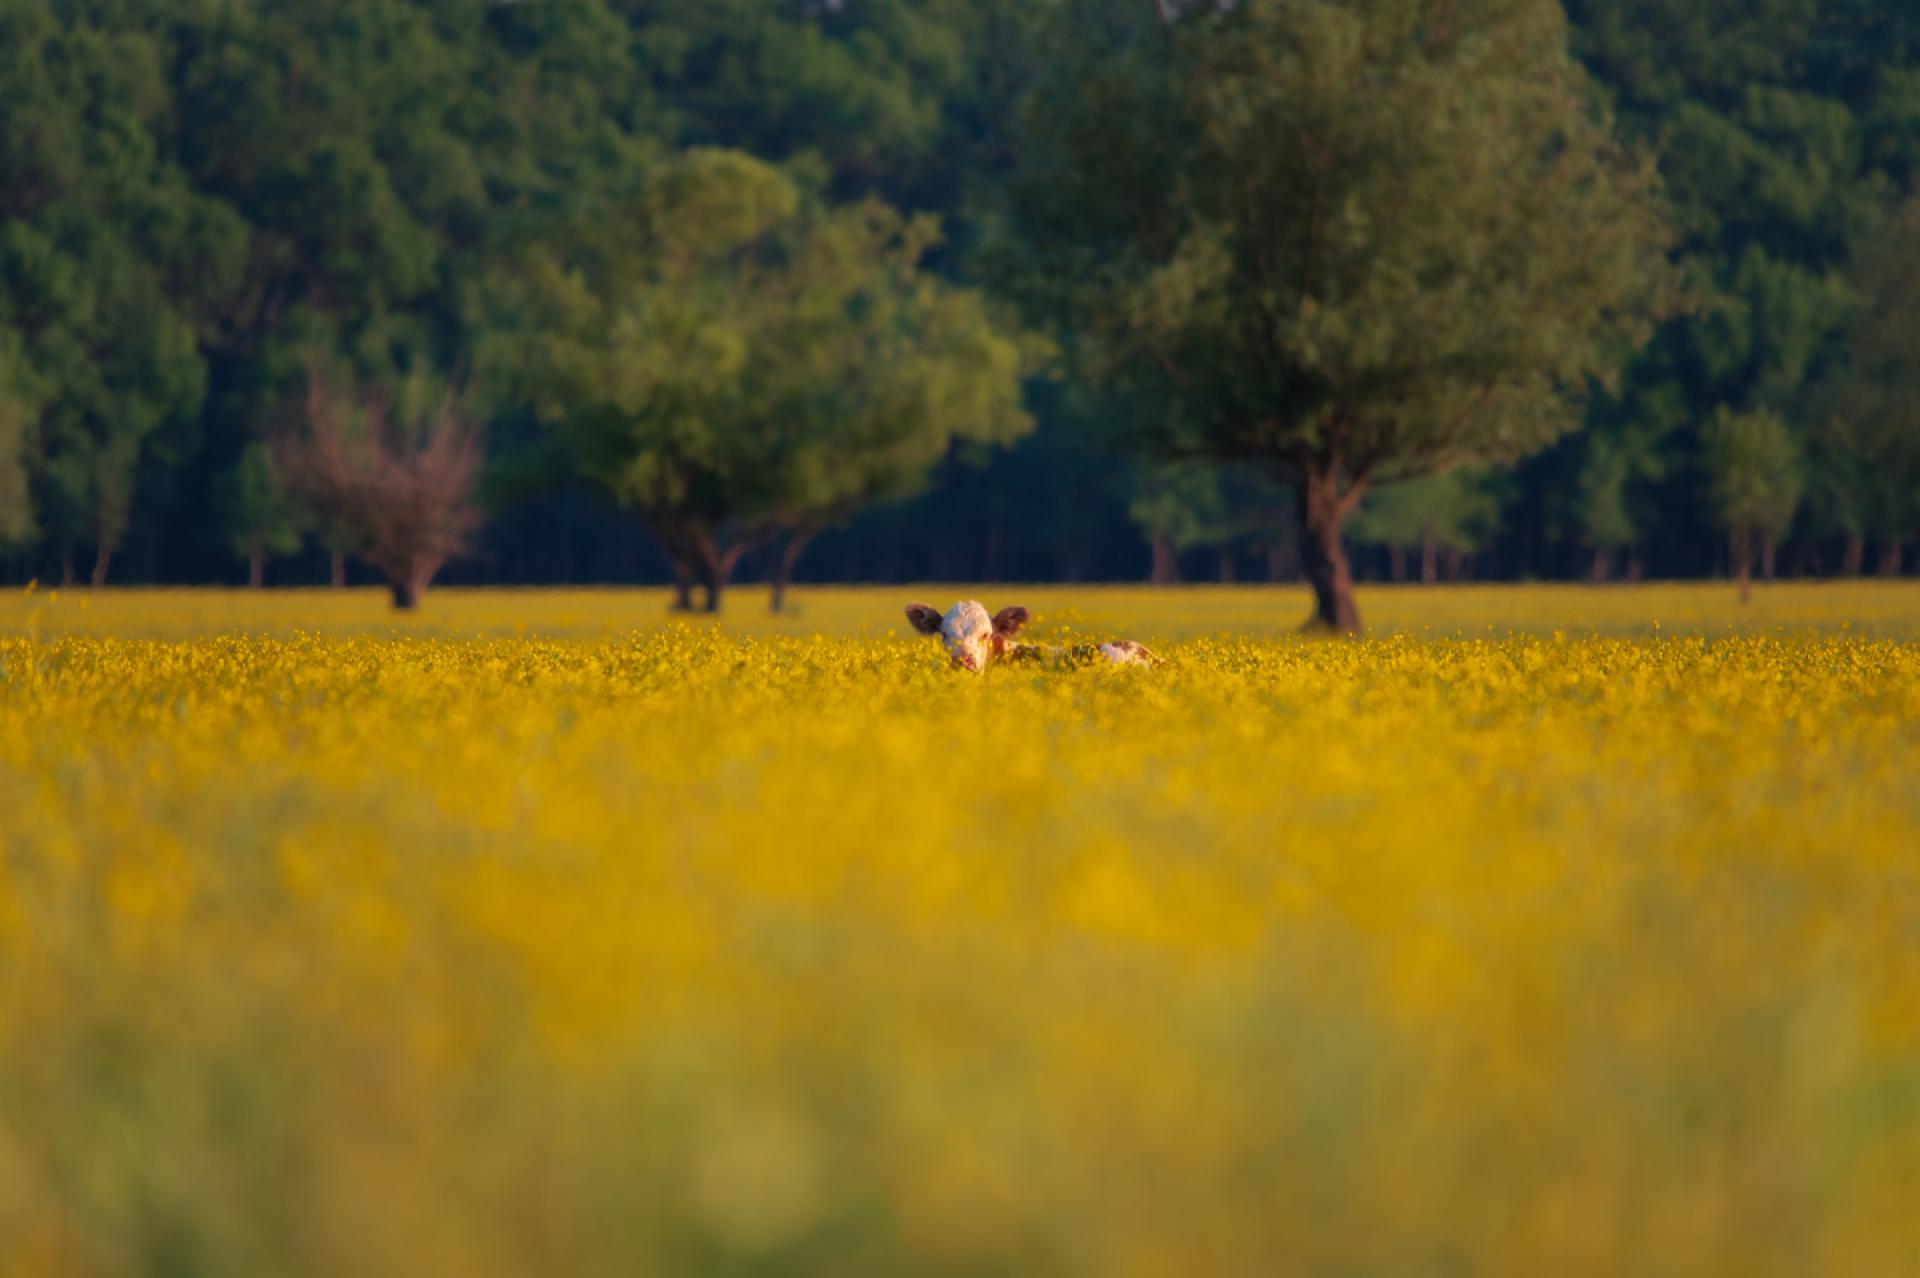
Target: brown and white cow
(975, 641)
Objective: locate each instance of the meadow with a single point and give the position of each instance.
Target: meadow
(1548, 930)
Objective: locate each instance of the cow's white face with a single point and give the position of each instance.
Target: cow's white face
(972, 638)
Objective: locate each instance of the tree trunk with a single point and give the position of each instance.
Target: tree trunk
(1635, 569)
(1891, 554)
(1323, 560)
(101, 559)
(256, 566)
(1742, 550)
(782, 573)
(712, 567)
(1769, 554)
(1166, 561)
(337, 569)
(1602, 566)
(1451, 557)
(1396, 563)
(1429, 556)
(66, 566)
(682, 584)
(1226, 565)
(406, 595)
(1853, 560)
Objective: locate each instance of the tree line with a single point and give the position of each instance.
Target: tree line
(875, 289)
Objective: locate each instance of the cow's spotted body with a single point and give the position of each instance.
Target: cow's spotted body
(974, 640)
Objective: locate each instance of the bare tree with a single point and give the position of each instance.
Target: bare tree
(401, 492)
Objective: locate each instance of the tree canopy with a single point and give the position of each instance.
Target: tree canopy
(734, 358)
(1351, 243)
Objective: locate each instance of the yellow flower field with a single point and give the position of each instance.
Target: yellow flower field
(1549, 931)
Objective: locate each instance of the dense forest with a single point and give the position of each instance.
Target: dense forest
(876, 290)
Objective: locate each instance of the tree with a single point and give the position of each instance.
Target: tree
(1754, 482)
(19, 421)
(399, 484)
(109, 260)
(1453, 513)
(736, 361)
(1782, 126)
(1601, 504)
(260, 519)
(1345, 243)
(1178, 507)
(1865, 413)
(874, 371)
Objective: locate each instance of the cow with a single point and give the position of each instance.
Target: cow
(974, 640)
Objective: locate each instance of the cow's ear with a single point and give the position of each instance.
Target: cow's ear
(1009, 620)
(923, 618)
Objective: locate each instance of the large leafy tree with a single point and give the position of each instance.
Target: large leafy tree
(1349, 243)
(735, 360)
(110, 261)
(1865, 414)
(1782, 126)
(384, 153)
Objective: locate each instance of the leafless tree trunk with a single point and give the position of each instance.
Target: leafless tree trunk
(712, 567)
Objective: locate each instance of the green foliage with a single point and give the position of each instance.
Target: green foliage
(1240, 192)
(1866, 413)
(19, 431)
(259, 517)
(109, 260)
(1185, 504)
(733, 355)
(1783, 125)
(1752, 465)
(1457, 510)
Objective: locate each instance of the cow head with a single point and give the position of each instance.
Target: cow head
(972, 638)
